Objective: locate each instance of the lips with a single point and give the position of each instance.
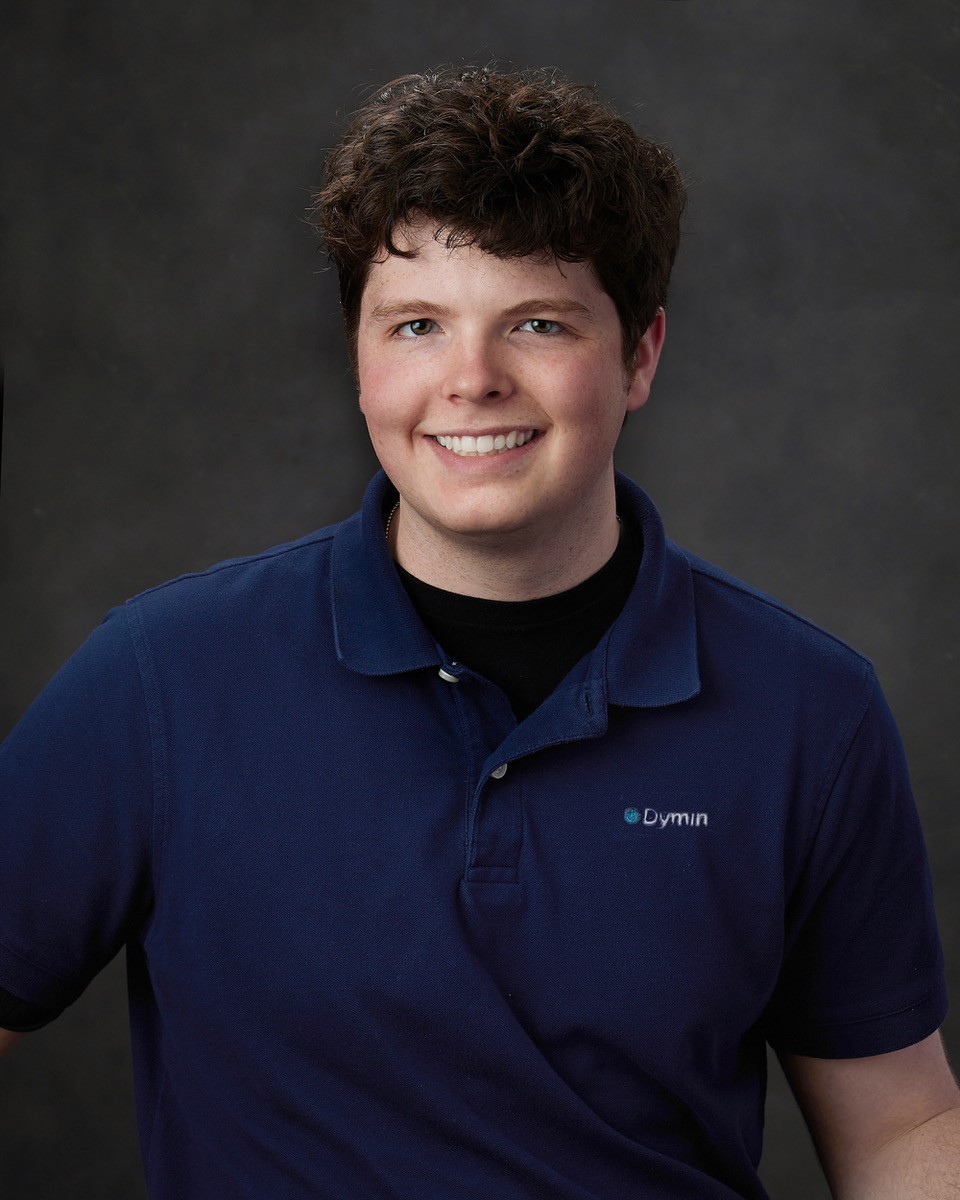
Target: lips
(487, 443)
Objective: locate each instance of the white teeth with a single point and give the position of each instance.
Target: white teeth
(486, 443)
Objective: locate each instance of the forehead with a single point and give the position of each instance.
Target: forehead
(470, 274)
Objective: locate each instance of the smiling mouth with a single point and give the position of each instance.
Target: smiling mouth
(487, 443)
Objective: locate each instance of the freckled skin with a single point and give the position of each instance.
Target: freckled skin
(455, 342)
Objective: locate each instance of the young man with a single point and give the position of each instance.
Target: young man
(477, 846)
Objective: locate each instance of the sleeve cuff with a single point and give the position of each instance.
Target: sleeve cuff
(868, 1036)
(34, 985)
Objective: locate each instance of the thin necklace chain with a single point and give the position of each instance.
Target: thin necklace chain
(393, 513)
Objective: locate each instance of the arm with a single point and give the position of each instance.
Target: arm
(886, 1127)
(7, 1039)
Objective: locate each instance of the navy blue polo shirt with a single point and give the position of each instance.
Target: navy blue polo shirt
(383, 941)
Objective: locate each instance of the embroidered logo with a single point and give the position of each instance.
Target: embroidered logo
(660, 820)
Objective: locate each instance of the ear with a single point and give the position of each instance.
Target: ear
(645, 362)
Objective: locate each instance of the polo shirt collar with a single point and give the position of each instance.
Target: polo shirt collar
(647, 659)
(376, 628)
(651, 657)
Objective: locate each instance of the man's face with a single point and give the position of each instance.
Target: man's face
(494, 391)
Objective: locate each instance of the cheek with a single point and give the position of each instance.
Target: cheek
(368, 384)
(389, 391)
(588, 398)
(373, 370)
(379, 402)
(392, 415)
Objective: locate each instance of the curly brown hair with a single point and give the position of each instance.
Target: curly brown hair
(516, 163)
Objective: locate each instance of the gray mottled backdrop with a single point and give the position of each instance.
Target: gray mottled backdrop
(177, 393)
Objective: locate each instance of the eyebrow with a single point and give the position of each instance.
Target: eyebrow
(403, 308)
(556, 304)
(426, 308)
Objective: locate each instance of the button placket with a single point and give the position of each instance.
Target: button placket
(494, 812)
(497, 835)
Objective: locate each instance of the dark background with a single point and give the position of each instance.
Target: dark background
(177, 392)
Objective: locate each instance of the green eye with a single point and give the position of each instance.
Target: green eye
(417, 328)
(541, 325)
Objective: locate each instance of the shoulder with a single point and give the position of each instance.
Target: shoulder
(288, 557)
(755, 646)
(749, 648)
(234, 619)
(274, 578)
(741, 609)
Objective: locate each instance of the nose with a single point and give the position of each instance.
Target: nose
(476, 371)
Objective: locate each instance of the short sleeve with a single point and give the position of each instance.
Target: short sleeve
(863, 969)
(76, 809)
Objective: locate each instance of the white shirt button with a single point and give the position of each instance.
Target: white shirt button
(447, 677)
(499, 772)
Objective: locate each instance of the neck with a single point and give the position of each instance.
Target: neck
(513, 565)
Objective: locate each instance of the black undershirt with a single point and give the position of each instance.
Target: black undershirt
(524, 646)
(527, 646)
